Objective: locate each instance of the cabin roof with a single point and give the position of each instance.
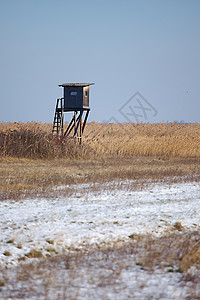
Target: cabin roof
(75, 84)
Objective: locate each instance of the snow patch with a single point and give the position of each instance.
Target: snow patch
(57, 224)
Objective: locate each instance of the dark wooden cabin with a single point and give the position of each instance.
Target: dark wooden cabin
(76, 96)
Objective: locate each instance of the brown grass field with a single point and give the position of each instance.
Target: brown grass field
(32, 162)
(34, 140)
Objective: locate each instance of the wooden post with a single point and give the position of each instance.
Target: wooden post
(81, 127)
(62, 117)
(75, 124)
(86, 116)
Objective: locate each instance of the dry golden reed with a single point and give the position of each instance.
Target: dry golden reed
(34, 140)
(145, 139)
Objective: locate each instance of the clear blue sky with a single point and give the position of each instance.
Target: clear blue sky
(149, 46)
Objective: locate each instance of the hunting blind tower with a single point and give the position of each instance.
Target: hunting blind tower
(75, 99)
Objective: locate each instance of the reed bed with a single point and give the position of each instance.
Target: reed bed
(160, 140)
(34, 140)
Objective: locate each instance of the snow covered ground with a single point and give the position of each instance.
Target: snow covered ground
(92, 218)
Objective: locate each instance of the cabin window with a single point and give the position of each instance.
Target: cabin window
(73, 93)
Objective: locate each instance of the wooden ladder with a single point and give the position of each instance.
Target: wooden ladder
(58, 118)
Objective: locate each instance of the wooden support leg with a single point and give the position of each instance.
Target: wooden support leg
(70, 127)
(78, 122)
(62, 118)
(84, 123)
(81, 128)
(75, 124)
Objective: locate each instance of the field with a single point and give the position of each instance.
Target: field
(116, 218)
(33, 140)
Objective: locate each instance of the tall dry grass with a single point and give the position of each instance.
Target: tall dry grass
(161, 140)
(34, 140)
